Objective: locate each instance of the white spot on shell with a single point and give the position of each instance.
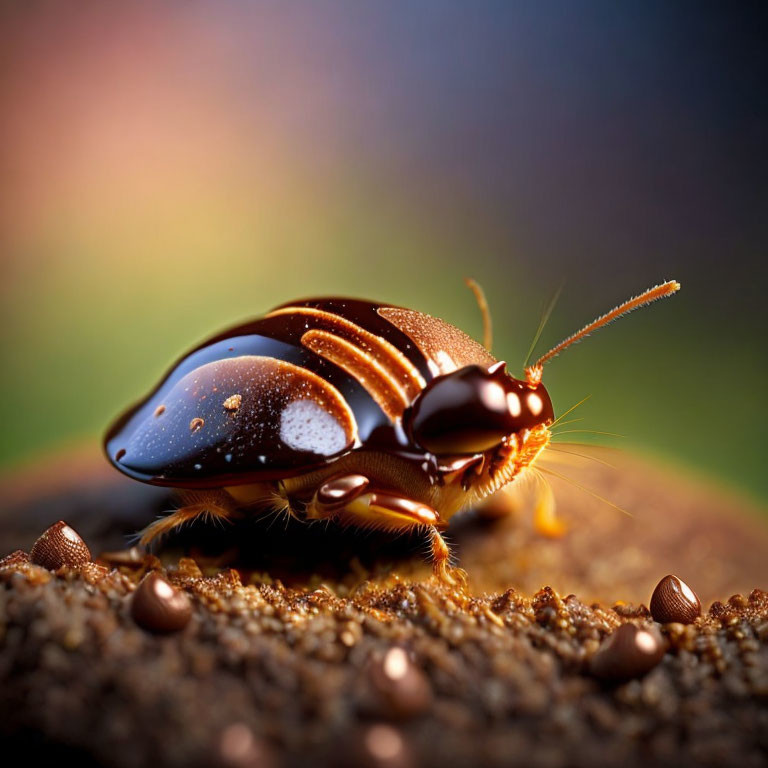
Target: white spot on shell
(305, 426)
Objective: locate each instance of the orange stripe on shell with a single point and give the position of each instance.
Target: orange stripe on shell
(378, 382)
(380, 351)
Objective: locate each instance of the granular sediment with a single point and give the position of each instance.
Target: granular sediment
(337, 649)
(287, 676)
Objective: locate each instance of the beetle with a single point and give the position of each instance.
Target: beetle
(364, 413)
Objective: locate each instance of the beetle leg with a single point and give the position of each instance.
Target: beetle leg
(374, 509)
(340, 491)
(213, 505)
(441, 562)
(385, 511)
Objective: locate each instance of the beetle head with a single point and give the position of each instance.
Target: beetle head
(473, 409)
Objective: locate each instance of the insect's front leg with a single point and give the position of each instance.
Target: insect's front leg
(351, 499)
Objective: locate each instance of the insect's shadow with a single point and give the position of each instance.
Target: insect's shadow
(111, 515)
(297, 553)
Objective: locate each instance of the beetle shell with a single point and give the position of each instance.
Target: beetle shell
(287, 393)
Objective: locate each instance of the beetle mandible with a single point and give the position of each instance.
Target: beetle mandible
(360, 412)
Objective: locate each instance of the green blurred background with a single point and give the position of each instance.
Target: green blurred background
(168, 169)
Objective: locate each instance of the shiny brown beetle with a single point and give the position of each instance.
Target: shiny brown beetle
(359, 412)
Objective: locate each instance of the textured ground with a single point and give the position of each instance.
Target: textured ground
(266, 674)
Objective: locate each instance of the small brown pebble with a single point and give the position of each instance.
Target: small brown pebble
(233, 402)
(158, 606)
(239, 748)
(19, 556)
(384, 746)
(196, 423)
(629, 652)
(402, 688)
(738, 601)
(59, 545)
(674, 601)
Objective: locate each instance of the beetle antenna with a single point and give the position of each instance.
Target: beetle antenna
(543, 322)
(482, 303)
(533, 372)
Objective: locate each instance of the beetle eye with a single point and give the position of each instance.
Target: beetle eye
(473, 409)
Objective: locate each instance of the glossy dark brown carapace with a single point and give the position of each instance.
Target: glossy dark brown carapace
(287, 393)
(286, 418)
(473, 409)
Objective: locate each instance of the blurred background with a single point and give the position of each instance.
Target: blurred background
(168, 169)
